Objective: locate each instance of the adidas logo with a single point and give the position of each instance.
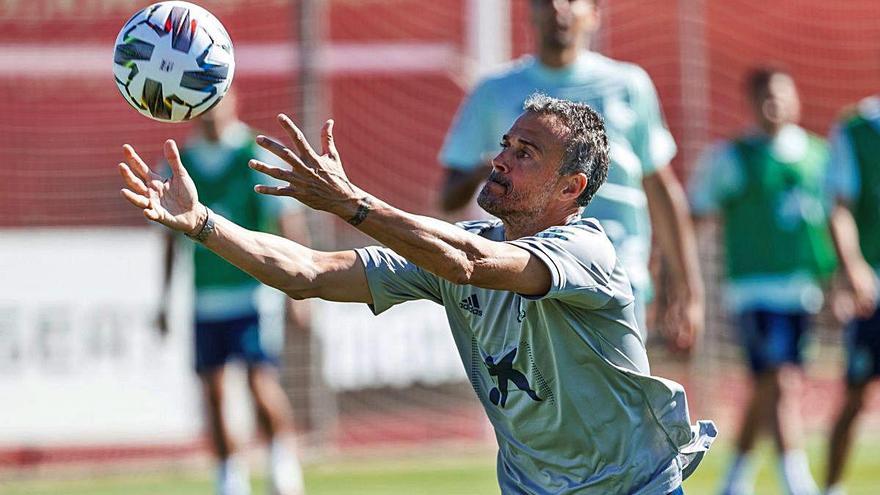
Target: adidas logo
(471, 304)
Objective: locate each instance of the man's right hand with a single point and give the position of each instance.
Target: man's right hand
(863, 282)
(172, 202)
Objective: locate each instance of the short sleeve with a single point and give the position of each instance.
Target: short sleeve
(469, 138)
(392, 279)
(581, 261)
(653, 143)
(843, 180)
(716, 176)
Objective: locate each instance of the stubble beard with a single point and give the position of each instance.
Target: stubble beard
(513, 207)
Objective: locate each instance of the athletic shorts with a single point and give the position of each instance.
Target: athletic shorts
(677, 491)
(772, 338)
(862, 338)
(220, 341)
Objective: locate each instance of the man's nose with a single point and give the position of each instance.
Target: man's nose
(499, 163)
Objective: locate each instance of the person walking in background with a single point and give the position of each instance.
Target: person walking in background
(854, 184)
(767, 188)
(233, 312)
(639, 179)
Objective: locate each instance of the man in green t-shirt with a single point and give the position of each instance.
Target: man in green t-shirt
(236, 317)
(854, 185)
(767, 188)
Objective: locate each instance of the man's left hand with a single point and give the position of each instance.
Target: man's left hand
(316, 180)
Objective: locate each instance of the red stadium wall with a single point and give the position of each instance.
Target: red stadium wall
(832, 49)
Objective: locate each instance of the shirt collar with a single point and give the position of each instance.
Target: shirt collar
(561, 75)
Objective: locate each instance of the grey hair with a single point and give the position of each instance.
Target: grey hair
(586, 149)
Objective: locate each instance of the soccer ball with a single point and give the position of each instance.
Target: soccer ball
(173, 61)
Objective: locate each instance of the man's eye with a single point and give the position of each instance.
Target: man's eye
(522, 154)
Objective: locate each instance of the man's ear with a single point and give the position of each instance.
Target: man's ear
(574, 185)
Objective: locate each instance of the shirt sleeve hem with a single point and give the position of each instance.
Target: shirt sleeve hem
(555, 273)
(369, 269)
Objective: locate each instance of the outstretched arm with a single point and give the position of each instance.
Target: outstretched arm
(319, 181)
(295, 269)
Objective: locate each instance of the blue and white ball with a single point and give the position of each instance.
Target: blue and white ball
(173, 61)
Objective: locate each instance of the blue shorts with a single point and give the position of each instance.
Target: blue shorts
(677, 491)
(773, 338)
(220, 341)
(862, 339)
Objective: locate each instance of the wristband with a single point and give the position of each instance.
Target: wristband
(206, 229)
(362, 211)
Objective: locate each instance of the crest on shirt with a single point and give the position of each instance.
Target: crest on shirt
(503, 373)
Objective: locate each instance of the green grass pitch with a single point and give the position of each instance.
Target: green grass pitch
(466, 474)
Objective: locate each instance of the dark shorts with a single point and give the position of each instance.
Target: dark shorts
(772, 339)
(220, 341)
(677, 491)
(862, 339)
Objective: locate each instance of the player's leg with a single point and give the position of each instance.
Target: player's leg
(212, 389)
(275, 417)
(211, 356)
(787, 428)
(273, 411)
(863, 364)
(739, 478)
(740, 475)
(786, 337)
(841, 436)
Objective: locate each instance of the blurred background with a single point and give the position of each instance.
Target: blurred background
(93, 399)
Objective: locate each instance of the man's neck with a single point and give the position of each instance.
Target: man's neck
(529, 224)
(772, 130)
(215, 133)
(558, 58)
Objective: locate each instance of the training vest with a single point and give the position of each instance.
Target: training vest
(866, 211)
(230, 194)
(778, 224)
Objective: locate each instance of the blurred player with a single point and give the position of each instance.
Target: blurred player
(233, 312)
(639, 179)
(574, 408)
(766, 186)
(854, 179)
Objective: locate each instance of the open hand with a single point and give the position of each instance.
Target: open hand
(172, 202)
(683, 323)
(318, 181)
(864, 289)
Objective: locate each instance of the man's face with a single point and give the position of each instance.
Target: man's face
(564, 23)
(778, 103)
(525, 174)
